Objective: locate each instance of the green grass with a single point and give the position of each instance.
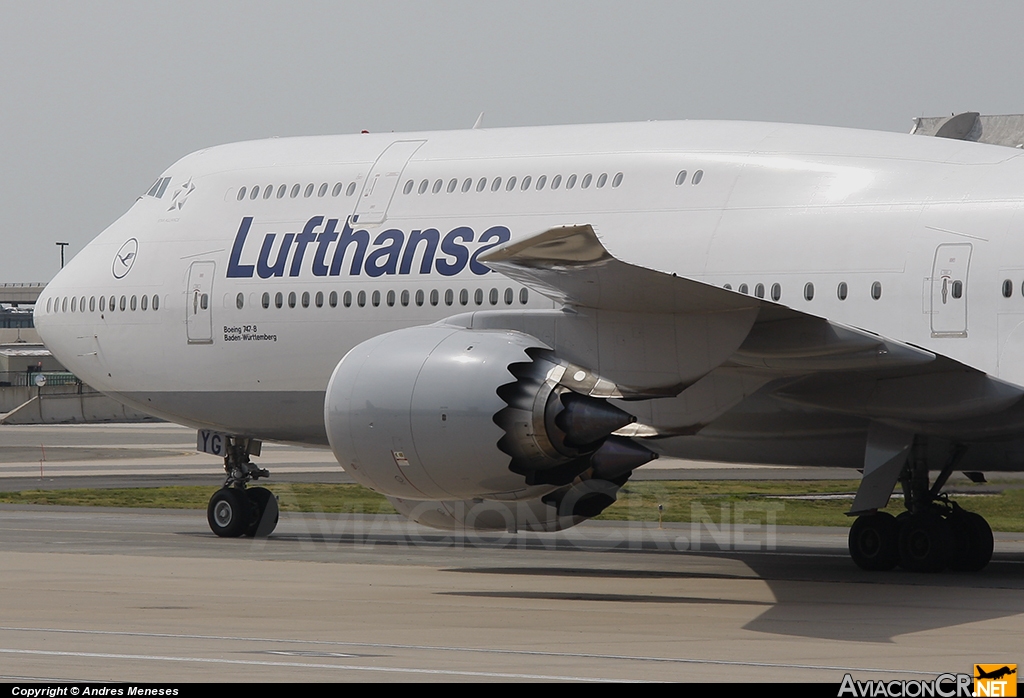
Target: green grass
(731, 501)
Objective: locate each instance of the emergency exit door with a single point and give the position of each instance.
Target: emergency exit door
(949, 290)
(199, 303)
(383, 180)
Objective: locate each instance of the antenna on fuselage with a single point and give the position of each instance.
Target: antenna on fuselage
(479, 121)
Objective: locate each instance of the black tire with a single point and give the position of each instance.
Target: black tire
(925, 542)
(973, 545)
(229, 512)
(265, 514)
(874, 542)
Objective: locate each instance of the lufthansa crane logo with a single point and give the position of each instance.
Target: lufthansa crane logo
(125, 258)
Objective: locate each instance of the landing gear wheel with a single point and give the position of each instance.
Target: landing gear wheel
(925, 542)
(874, 542)
(229, 512)
(265, 516)
(972, 536)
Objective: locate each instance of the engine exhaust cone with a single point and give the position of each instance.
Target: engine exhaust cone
(618, 456)
(586, 420)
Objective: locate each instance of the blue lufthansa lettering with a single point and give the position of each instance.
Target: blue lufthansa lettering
(301, 240)
(389, 254)
(236, 270)
(449, 246)
(392, 251)
(500, 234)
(263, 268)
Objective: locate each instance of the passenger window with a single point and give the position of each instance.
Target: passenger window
(423, 186)
(681, 177)
(337, 189)
(74, 303)
(524, 296)
(602, 180)
(556, 181)
(496, 184)
(482, 184)
(281, 191)
(375, 299)
(449, 297)
(351, 189)
(467, 185)
(408, 187)
(452, 184)
(808, 291)
(103, 304)
(405, 298)
(617, 180)
(1008, 288)
(697, 176)
(776, 292)
(241, 193)
(322, 190)
(526, 182)
(346, 299)
(123, 305)
(727, 287)
(571, 182)
(318, 300)
(876, 289)
(239, 301)
(295, 190)
(434, 298)
(478, 297)
(464, 296)
(842, 291)
(156, 302)
(92, 304)
(144, 301)
(742, 289)
(391, 299)
(279, 300)
(437, 186)
(134, 303)
(305, 299)
(494, 296)
(509, 296)
(266, 300)
(268, 191)
(309, 191)
(586, 181)
(511, 184)
(759, 290)
(361, 299)
(254, 193)
(291, 299)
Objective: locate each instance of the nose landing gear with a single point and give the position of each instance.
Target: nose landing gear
(235, 510)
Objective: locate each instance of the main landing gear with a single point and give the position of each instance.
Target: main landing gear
(933, 534)
(235, 510)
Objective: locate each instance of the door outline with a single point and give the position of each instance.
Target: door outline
(949, 289)
(382, 182)
(199, 303)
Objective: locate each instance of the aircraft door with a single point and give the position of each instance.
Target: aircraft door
(383, 180)
(199, 303)
(949, 290)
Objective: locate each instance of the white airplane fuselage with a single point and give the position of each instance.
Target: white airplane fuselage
(910, 238)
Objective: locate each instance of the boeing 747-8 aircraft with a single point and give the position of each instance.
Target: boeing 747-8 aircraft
(494, 328)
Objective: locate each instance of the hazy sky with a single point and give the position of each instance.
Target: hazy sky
(97, 98)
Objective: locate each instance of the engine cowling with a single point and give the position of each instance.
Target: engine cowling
(445, 413)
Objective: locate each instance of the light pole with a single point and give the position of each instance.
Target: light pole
(62, 245)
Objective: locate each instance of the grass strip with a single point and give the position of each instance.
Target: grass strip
(729, 501)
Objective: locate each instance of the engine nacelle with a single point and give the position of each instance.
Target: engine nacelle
(448, 414)
(411, 413)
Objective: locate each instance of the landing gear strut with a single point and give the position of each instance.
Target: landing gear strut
(933, 534)
(235, 510)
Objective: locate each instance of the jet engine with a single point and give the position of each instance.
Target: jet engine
(447, 414)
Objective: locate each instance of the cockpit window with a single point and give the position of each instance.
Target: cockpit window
(159, 187)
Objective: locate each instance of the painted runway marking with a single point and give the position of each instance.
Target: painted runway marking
(479, 650)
